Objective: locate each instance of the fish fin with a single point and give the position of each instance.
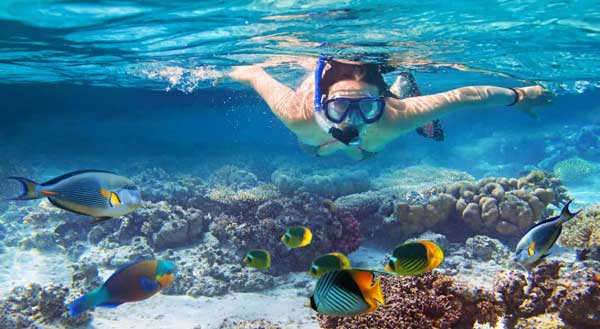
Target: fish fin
(87, 301)
(29, 189)
(375, 292)
(57, 204)
(149, 285)
(531, 249)
(110, 304)
(566, 214)
(545, 255)
(71, 174)
(114, 199)
(98, 220)
(364, 279)
(105, 193)
(307, 237)
(80, 305)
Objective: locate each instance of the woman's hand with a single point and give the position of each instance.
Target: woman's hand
(530, 97)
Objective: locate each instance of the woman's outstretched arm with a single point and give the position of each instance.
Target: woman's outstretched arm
(283, 101)
(412, 112)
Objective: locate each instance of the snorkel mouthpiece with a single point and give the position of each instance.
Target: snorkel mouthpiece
(348, 135)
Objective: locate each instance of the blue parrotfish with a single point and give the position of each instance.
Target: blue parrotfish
(100, 194)
(536, 243)
(132, 282)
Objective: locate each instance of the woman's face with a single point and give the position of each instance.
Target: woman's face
(352, 89)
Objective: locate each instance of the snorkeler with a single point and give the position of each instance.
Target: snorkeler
(348, 106)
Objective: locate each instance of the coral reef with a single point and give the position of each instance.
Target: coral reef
(495, 206)
(262, 227)
(571, 292)
(328, 183)
(30, 306)
(484, 248)
(427, 301)
(209, 270)
(583, 233)
(574, 170)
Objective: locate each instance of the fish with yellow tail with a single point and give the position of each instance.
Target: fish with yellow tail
(538, 240)
(415, 258)
(97, 193)
(347, 292)
(328, 262)
(258, 258)
(296, 237)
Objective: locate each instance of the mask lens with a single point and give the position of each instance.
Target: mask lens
(336, 109)
(370, 109)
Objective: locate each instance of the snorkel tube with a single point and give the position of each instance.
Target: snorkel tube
(349, 135)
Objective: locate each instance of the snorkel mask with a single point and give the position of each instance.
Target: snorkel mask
(331, 113)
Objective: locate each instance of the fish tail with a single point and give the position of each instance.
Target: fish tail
(30, 189)
(87, 302)
(376, 292)
(566, 214)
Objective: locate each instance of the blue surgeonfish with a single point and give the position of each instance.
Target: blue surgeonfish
(96, 193)
(347, 292)
(536, 243)
(132, 282)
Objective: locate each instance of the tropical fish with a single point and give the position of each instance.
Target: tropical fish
(414, 258)
(347, 292)
(258, 258)
(328, 262)
(96, 193)
(538, 240)
(132, 282)
(296, 236)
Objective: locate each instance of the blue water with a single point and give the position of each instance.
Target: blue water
(111, 84)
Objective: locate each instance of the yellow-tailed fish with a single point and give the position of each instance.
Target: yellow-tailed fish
(328, 262)
(347, 292)
(96, 193)
(296, 236)
(536, 243)
(414, 258)
(258, 258)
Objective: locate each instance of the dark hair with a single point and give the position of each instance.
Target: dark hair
(367, 72)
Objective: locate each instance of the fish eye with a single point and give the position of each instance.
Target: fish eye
(391, 264)
(313, 270)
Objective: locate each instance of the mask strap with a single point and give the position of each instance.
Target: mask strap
(318, 76)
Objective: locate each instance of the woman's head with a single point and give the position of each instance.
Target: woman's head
(354, 79)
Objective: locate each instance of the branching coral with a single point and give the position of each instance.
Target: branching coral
(30, 306)
(572, 292)
(583, 232)
(427, 301)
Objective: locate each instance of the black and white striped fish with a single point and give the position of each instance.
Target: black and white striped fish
(347, 292)
(96, 193)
